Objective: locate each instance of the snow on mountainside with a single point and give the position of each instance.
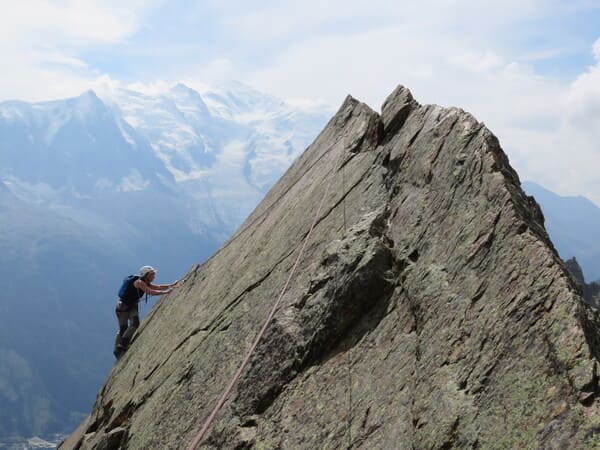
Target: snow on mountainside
(238, 102)
(76, 145)
(225, 146)
(178, 126)
(188, 129)
(222, 148)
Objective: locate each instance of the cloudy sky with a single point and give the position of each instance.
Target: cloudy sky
(529, 69)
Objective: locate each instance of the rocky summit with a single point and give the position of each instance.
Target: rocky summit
(428, 310)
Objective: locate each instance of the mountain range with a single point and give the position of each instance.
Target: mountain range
(91, 189)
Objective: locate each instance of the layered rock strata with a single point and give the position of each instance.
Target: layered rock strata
(429, 310)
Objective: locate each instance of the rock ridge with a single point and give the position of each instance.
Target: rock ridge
(430, 309)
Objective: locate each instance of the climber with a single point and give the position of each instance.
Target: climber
(132, 289)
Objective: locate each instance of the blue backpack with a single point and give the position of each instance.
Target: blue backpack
(128, 293)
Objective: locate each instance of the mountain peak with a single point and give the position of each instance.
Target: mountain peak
(86, 104)
(181, 87)
(396, 108)
(89, 94)
(181, 91)
(428, 308)
(89, 98)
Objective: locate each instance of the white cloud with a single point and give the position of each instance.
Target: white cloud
(278, 20)
(41, 41)
(584, 95)
(549, 127)
(370, 65)
(576, 143)
(597, 50)
(74, 23)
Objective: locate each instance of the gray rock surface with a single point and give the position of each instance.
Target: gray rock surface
(429, 310)
(575, 270)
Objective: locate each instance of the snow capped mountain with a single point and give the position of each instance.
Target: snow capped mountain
(179, 126)
(78, 146)
(240, 103)
(224, 146)
(221, 148)
(188, 129)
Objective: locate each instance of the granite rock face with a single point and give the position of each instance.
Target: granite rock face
(429, 310)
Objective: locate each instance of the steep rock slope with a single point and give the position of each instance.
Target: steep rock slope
(429, 309)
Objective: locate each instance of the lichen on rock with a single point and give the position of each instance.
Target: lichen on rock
(429, 310)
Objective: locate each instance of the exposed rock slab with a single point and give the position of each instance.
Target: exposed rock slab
(430, 309)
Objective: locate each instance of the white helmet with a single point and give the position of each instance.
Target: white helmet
(145, 270)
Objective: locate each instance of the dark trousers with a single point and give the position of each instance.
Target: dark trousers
(129, 321)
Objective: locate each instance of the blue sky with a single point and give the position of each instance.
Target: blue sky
(529, 69)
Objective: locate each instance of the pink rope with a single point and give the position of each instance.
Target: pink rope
(246, 360)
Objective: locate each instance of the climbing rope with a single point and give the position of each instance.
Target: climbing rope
(349, 365)
(246, 360)
(266, 210)
(348, 356)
